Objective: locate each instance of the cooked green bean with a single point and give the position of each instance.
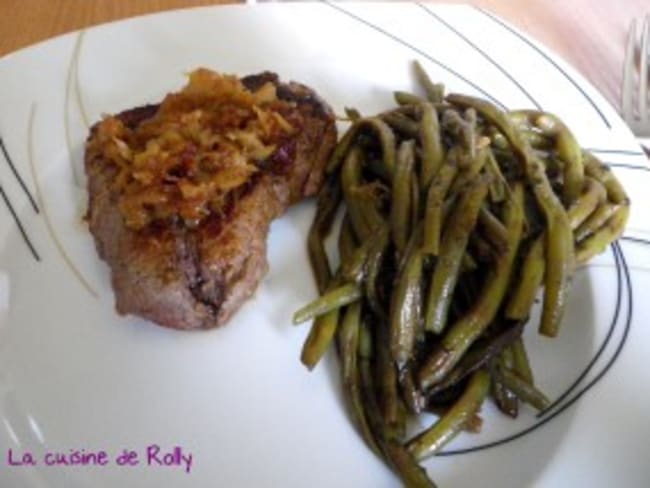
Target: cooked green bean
(596, 220)
(567, 148)
(593, 194)
(468, 174)
(602, 173)
(405, 309)
(396, 455)
(599, 240)
(347, 242)
(521, 362)
(353, 269)
(318, 259)
(454, 242)
(376, 255)
(478, 357)
(319, 338)
(416, 209)
(353, 114)
(470, 326)
(401, 204)
(348, 342)
(432, 149)
(350, 180)
(498, 183)
(505, 399)
(433, 212)
(412, 396)
(434, 92)
(386, 139)
(387, 379)
(331, 300)
(492, 227)
(532, 275)
(525, 391)
(429, 442)
(405, 98)
(329, 198)
(401, 123)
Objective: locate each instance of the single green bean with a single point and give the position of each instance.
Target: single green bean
(387, 379)
(532, 275)
(401, 123)
(599, 240)
(376, 256)
(593, 194)
(431, 441)
(381, 130)
(435, 92)
(433, 154)
(492, 227)
(525, 391)
(405, 309)
(603, 173)
(401, 201)
(469, 173)
(405, 98)
(350, 180)
(412, 397)
(346, 242)
(596, 220)
(433, 212)
(331, 300)
(329, 198)
(348, 345)
(498, 183)
(320, 337)
(521, 361)
(505, 399)
(353, 114)
(479, 356)
(454, 243)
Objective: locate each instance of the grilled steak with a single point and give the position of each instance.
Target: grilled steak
(181, 194)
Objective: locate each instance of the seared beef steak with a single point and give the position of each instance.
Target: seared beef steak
(181, 194)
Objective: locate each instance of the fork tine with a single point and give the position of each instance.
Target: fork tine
(643, 72)
(628, 74)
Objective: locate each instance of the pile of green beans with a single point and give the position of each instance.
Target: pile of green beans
(456, 214)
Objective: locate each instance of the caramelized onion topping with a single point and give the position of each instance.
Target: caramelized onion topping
(202, 143)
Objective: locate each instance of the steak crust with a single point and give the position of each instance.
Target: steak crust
(197, 277)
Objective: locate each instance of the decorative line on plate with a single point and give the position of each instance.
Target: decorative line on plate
(637, 240)
(549, 59)
(19, 178)
(22, 230)
(627, 152)
(624, 288)
(414, 49)
(46, 216)
(77, 85)
(482, 53)
(71, 78)
(628, 166)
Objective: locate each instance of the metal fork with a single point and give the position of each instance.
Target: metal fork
(639, 120)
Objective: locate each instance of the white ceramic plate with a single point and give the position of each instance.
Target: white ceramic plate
(74, 375)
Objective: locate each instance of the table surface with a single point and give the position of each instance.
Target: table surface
(589, 34)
